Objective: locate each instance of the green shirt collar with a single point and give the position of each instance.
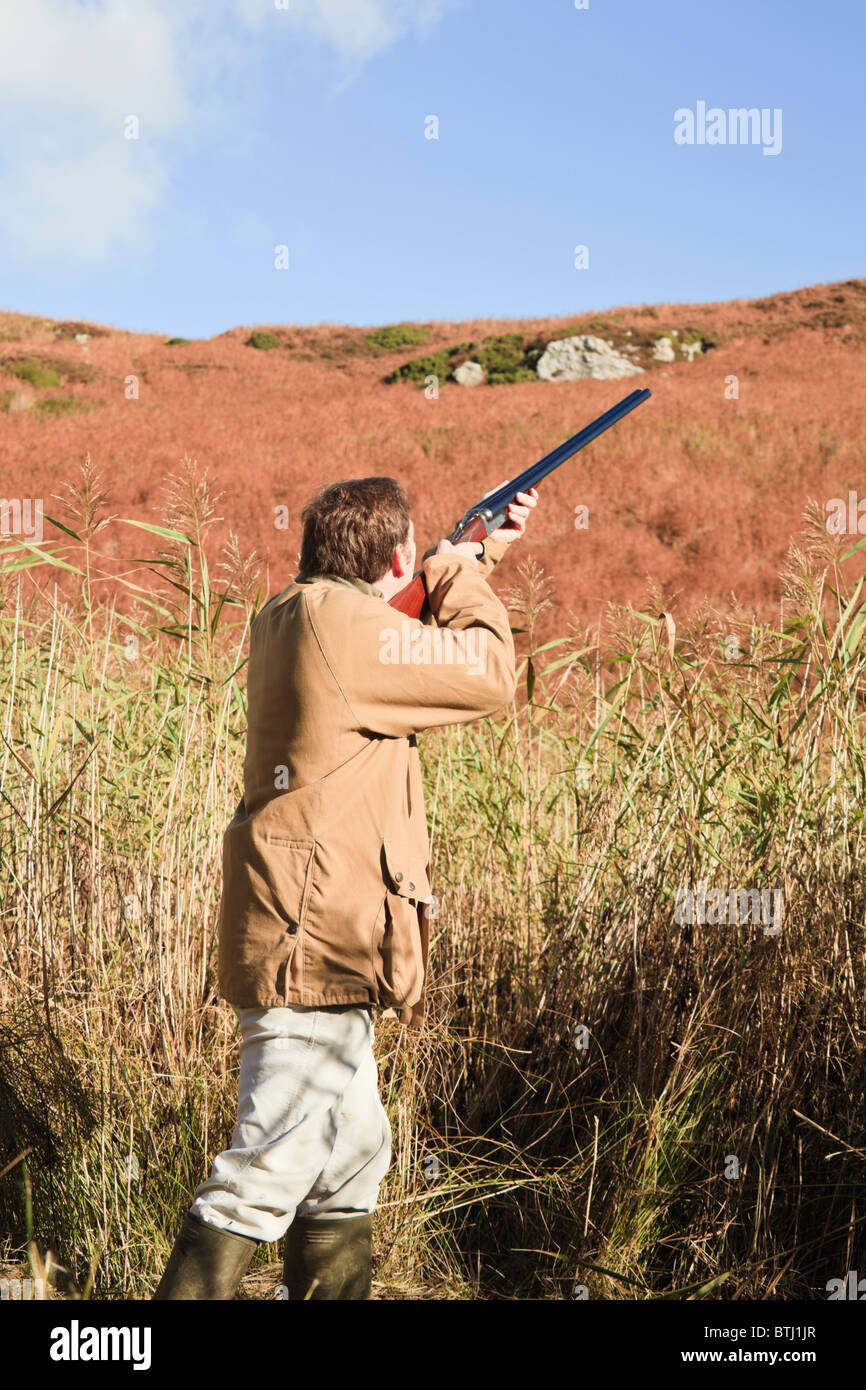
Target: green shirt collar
(361, 584)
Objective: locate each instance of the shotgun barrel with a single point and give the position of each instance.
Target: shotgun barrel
(492, 511)
(492, 508)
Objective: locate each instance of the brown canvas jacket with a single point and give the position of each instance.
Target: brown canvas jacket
(326, 860)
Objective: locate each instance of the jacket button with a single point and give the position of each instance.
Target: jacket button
(411, 886)
(398, 878)
(293, 927)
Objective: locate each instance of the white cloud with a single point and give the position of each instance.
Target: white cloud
(356, 30)
(72, 187)
(118, 56)
(81, 209)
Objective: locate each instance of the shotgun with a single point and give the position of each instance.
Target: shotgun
(490, 513)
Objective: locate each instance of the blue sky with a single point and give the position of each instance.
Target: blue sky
(304, 127)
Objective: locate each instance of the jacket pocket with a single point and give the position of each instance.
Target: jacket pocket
(404, 871)
(399, 954)
(292, 868)
(267, 880)
(291, 874)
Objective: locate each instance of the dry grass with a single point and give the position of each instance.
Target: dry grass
(632, 765)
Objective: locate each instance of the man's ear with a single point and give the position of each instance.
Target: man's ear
(399, 562)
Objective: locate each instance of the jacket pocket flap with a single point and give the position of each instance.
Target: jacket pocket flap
(404, 870)
(285, 868)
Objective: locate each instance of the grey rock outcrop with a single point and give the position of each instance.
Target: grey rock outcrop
(572, 359)
(663, 350)
(469, 374)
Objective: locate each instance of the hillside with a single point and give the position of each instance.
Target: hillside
(699, 492)
(644, 1045)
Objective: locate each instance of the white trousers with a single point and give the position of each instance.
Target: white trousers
(312, 1136)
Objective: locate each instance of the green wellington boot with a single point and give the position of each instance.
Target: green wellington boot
(329, 1258)
(204, 1262)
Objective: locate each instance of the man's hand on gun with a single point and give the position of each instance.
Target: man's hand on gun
(512, 530)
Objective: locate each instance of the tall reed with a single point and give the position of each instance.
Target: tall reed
(608, 1098)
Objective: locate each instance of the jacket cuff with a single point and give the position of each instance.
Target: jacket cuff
(494, 550)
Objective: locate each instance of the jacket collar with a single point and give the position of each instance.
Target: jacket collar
(361, 584)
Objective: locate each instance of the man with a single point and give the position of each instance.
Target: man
(325, 879)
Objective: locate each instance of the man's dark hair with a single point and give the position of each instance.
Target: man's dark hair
(352, 527)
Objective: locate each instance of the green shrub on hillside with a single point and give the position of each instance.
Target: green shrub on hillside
(508, 378)
(263, 341)
(46, 406)
(574, 330)
(439, 364)
(35, 373)
(61, 405)
(177, 342)
(509, 358)
(396, 335)
(685, 336)
(506, 358)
